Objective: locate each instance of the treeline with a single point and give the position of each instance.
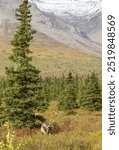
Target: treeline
(70, 91)
(73, 92)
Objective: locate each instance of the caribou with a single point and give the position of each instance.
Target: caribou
(46, 127)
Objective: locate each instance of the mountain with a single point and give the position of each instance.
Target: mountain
(76, 23)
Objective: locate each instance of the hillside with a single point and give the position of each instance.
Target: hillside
(68, 22)
(63, 42)
(52, 57)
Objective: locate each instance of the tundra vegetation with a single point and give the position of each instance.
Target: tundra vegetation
(23, 92)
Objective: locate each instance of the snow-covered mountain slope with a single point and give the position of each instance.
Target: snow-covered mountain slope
(65, 7)
(82, 17)
(77, 23)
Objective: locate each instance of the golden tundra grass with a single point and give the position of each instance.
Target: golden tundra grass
(52, 58)
(77, 132)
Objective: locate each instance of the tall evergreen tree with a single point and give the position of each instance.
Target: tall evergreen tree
(89, 96)
(23, 93)
(67, 101)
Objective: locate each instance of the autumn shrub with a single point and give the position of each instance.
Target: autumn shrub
(8, 142)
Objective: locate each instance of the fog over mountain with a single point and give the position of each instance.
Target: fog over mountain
(76, 23)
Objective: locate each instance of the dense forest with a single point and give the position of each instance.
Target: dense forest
(71, 93)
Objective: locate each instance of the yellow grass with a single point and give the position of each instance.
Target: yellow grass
(78, 132)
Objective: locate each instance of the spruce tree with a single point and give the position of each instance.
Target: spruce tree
(67, 100)
(89, 96)
(23, 94)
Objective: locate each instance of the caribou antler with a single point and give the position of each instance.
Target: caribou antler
(55, 114)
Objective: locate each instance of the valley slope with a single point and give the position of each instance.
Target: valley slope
(52, 57)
